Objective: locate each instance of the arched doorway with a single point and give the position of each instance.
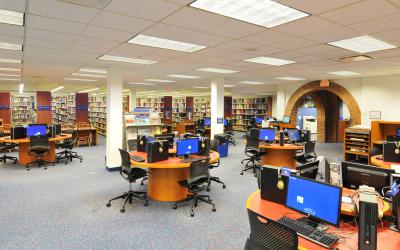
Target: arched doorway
(319, 96)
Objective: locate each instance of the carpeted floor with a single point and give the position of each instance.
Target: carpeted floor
(63, 207)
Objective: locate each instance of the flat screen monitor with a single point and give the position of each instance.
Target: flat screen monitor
(267, 135)
(225, 122)
(259, 120)
(36, 130)
(187, 146)
(319, 201)
(294, 135)
(286, 119)
(398, 133)
(207, 122)
(357, 174)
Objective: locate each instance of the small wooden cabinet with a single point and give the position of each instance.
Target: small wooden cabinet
(357, 143)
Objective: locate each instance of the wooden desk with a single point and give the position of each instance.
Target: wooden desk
(164, 176)
(183, 128)
(23, 153)
(282, 126)
(387, 239)
(93, 134)
(376, 160)
(280, 155)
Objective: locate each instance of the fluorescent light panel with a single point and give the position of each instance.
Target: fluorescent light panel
(57, 89)
(93, 70)
(290, 78)
(89, 90)
(269, 61)
(142, 83)
(217, 70)
(252, 82)
(9, 69)
(10, 46)
(11, 17)
(88, 75)
(362, 44)
(126, 59)
(159, 80)
(228, 86)
(9, 79)
(165, 43)
(184, 76)
(21, 88)
(265, 13)
(78, 79)
(344, 73)
(5, 60)
(11, 75)
(200, 87)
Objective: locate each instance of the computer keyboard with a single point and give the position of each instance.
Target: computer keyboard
(137, 158)
(303, 230)
(193, 159)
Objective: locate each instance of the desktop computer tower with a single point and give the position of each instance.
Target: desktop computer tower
(368, 220)
(305, 135)
(18, 133)
(391, 151)
(157, 151)
(332, 171)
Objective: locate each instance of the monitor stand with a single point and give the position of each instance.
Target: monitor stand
(186, 156)
(313, 223)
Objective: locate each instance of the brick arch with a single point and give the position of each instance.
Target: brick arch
(341, 92)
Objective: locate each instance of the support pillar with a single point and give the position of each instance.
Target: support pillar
(132, 99)
(280, 101)
(217, 106)
(114, 119)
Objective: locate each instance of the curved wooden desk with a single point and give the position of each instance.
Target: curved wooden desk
(164, 176)
(280, 155)
(23, 154)
(387, 239)
(376, 160)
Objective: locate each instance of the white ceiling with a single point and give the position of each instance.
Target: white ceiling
(60, 37)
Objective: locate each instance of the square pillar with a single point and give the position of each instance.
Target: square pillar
(132, 99)
(217, 105)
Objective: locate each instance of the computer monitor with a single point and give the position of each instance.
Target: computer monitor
(259, 120)
(398, 133)
(357, 174)
(36, 129)
(294, 135)
(225, 122)
(168, 137)
(207, 122)
(187, 146)
(318, 200)
(267, 135)
(286, 119)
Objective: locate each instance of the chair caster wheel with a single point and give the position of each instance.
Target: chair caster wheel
(175, 207)
(122, 210)
(208, 190)
(108, 205)
(146, 203)
(45, 168)
(223, 186)
(28, 169)
(192, 215)
(214, 209)
(241, 173)
(210, 200)
(141, 183)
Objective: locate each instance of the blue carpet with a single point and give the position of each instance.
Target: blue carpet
(63, 207)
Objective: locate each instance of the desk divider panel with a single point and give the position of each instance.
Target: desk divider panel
(43, 107)
(82, 104)
(5, 107)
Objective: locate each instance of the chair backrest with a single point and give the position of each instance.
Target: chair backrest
(269, 234)
(214, 145)
(125, 160)
(309, 149)
(253, 138)
(40, 141)
(83, 129)
(199, 170)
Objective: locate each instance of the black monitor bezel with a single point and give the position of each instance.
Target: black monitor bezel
(184, 139)
(292, 129)
(313, 217)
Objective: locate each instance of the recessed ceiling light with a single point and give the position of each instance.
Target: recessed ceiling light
(88, 90)
(252, 82)
(89, 75)
(217, 70)
(93, 70)
(159, 80)
(228, 86)
(57, 89)
(362, 44)
(141, 83)
(344, 73)
(126, 59)
(165, 43)
(10, 79)
(21, 88)
(353, 58)
(78, 79)
(269, 61)
(10, 75)
(200, 87)
(184, 76)
(4, 60)
(11, 17)
(146, 92)
(265, 13)
(289, 78)
(9, 69)
(10, 46)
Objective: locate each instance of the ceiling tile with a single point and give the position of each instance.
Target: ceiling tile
(11, 39)
(293, 43)
(49, 35)
(15, 5)
(205, 39)
(391, 35)
(331, 35)
(11, 54)
(246, 47)
(378, 25)
(316, 6)
(100, 43)
(62, 10)
(120, 22)
(317, 49)
(235, 29)
(359, 12)
(54, 24)
(107, 34)
(168, 32)
(46, 43)
(267, 37)
(88, 49)
(155, 10)
(305, 26)
(12, 30)
(129, 47)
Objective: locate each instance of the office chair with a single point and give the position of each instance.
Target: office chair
(267, 234)
(197, 182)
(200, 132)
(39, 147)
(130, 174)
(4, 147)
(253, 123)
(308, 154)
(214, 147)
(68, 145)
(188, 135)
(252, 151)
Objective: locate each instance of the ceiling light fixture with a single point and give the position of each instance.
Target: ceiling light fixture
(126, 59)
(362, 44)
(289, 78)
(56, 89)
(265, 13)
(10, 79)
(200, 87)
(252, 82)
(9, 69)
(5, 60)
(21, 88)
(217, 70)
(184, 76)
(78, 79)
(93, 70)
(228, 86)
(141, 83)
(89, 75)
(165, 43)
(344, 73)
(11, 17)
(159, 80)
(353, 58)
(11, 75)
(146, 92)
(269, 61)
(88, 90)
(10, 46)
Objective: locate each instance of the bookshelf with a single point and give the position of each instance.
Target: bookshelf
(98, 113)
(71, 109)
(155, 104)
(125, 103)
(243, 109)
(59, 109)
(201, 106)
(178, 109)
(357, 143)
(21, 109)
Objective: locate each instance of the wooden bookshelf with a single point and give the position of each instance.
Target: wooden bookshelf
(380, 130)
(59, 109)
(21, 109)
(155, 104)
(125, 103)
(243, 109)
(357, 143)
(178, 109)
(71, 109)
(98, 113)
(201, 106)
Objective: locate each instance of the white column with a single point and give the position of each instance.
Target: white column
(132, 99)
(280, 101)
(217, 105)
(114, 119)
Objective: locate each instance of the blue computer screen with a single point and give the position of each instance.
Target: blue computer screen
(207, 122)
(259, 120)
(225, 122)
(36, 129)
(398, 132)
(313, 198)
(187, 146)
(293, 135)
(267, 135)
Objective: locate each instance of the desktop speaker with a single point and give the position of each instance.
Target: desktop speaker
(281, 138)
(141, 143)
(18, 133)
(157, 151)
(368, 220)
(204, 146)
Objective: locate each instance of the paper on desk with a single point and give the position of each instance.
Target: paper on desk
(346, 199)
(396, 168)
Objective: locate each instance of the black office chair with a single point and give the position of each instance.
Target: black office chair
(267, 234)
(252, 151)
(67, 154)
(214, 147)
(308, 154)
(130, 174)
(200, 123)
(39, 147)
(253, 123)
(4, 147)
(188, 135)
(200, 132)
(196, 183)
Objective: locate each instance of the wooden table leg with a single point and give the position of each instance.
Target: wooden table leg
(163, 184)
(279, 158)
(25, 158)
